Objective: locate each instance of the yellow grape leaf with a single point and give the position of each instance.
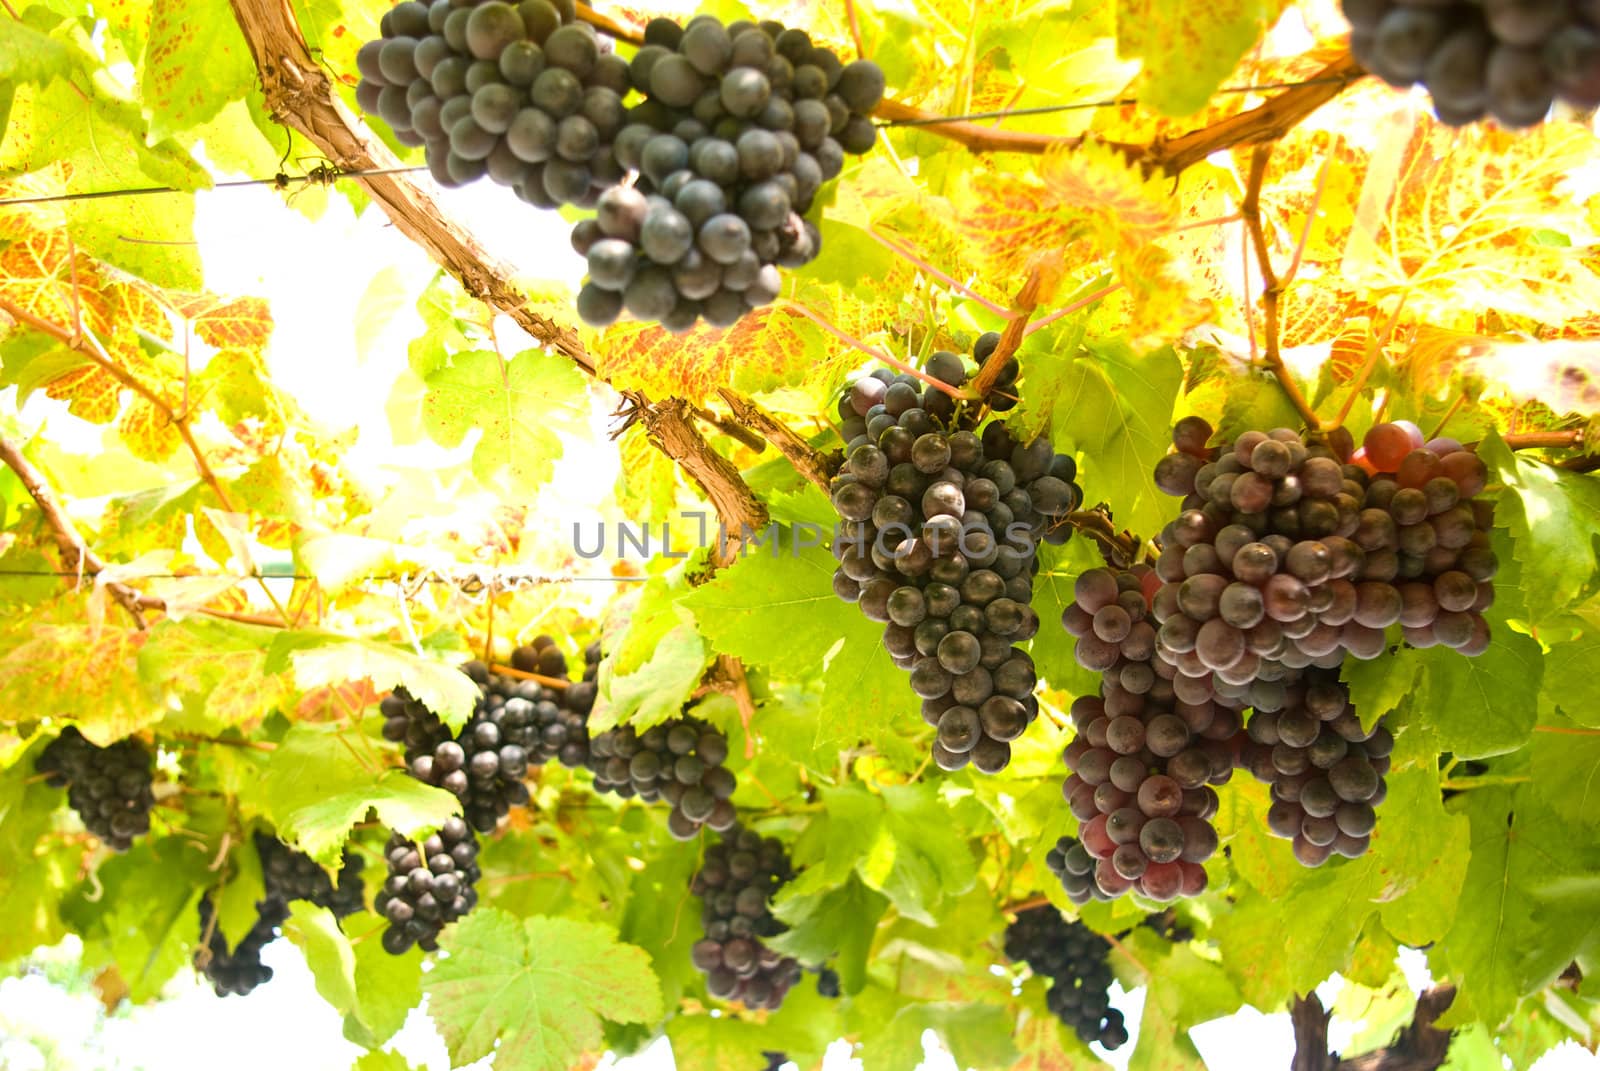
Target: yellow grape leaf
(91, 393)
(74, 671)
(36, 277)
(147, 432)
(767, 347)
(1009, 215)
(1114, 194)
(243, 323)
(1455, 230)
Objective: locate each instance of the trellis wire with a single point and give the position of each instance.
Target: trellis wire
(327, 175)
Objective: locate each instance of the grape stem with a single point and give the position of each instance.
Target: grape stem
(1026, 302)
(75, 553)
(729, 428)
(1120, 549)
(806, 461)
(1419, 1045)
(1271, 288)
(1067, 310)
(523, 675)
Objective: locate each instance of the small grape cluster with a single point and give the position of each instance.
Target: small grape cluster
(483, 765)
(291, 875)
(701, 155)
(736, 883)
(938, 542)
(238, 972)
(1510, 59)
(1165, 925)
(1145, 756)
(286, 875)
(109, 787)
(1073, 958)
(680, 761)
(1326, 771)
(429, 885)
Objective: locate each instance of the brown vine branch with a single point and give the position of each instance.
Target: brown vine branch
(1419, 1046)
(743, 436)
(300, 95)
(1271, 289)
(806, 461)
(1546, 440)
(74, 551)
(668, 427)
(1120, 548)
(86, 345)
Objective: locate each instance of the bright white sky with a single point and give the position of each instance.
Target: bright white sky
(315, 275)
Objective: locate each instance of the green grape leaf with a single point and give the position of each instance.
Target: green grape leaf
(1182, 990)
(317, 788)
(203, 660)
(32, 881)
(321, 659)
(387, 986)
(1570, 682)
(1554, 519)
(1114, 408)
(977, 1035)
(532, 991)
(196, 62)
(1485, 705)
(656, 665)
(775, 608)
(1188, 49)
(517, 406)
(802, 1030)
(1566, 772)
(327, 951)
(144, 914)
(1529, 902)
(826, 922)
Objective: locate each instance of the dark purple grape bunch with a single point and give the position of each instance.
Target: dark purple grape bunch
(740, 127)
(736, 882)
(701, 155)
(1326, 771)
(109, 787)
(522, 93)
(428, 886)
(291, 875)
(1073, 958)
(938, 541)
(237, 972)
(680, 761)
(1146, 759)
(1509, 59)
(482, 765)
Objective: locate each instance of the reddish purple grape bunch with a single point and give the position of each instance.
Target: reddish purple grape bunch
(1145, 759)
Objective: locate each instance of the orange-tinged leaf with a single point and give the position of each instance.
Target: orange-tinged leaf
(147, 432)
(77, 672)
(91, 393)
(243, 323)
(767, 347)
